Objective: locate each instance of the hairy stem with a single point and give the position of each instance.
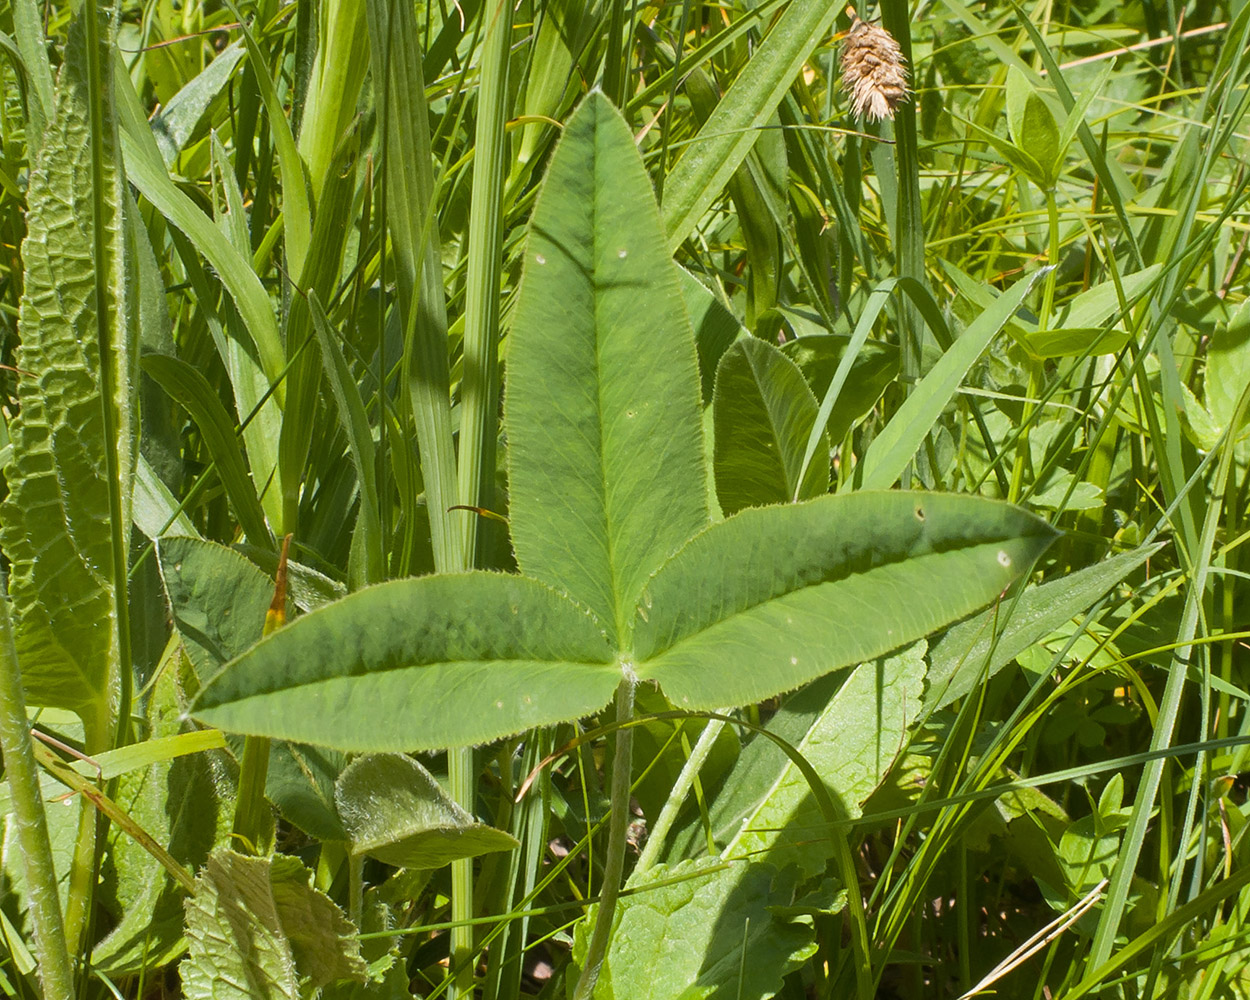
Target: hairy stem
(614, 866)
(55, 969)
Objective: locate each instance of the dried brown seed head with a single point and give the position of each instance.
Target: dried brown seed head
(873, 71)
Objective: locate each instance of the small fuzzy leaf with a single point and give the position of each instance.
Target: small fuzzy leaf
(1033, 127)
(1070, 342)
(394, 810)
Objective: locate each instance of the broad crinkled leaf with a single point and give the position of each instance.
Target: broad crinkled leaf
(55, 522)
(764, 413)
(852, 744)
(416, 664)
(185, 803)
(257, 930)
(698, 929)
(605, 448)
(776, 596)
(395, 811)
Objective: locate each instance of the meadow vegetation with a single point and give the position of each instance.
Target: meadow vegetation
(612, 498)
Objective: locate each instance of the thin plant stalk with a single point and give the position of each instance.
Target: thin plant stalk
(677, 796)
(614, 866)
(55, 968)
(909, 224)
(251, 812)
(479, 396)
(1036, 370)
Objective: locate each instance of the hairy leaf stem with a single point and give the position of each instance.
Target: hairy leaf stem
(614, 866)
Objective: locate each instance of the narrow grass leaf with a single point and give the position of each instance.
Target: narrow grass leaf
(895, 446)
(254, 368)
(154, 508)
(731, 130)
(409, 186)
(296, 204)
(355, 423)
(175, 124)
(976, 649)
(189, 388)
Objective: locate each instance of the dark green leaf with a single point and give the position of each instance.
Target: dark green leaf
(764, 412)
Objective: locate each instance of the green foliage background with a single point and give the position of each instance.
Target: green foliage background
(580, 344)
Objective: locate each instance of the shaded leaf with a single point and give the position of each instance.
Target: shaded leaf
(852, 743)
(394, 810)
(875, 367)
(218, 599)
(701, 929)
(715, 328)
(764, 412)
(300, 785)
(184, 803)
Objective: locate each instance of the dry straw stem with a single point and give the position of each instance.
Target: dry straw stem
(873, 70)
